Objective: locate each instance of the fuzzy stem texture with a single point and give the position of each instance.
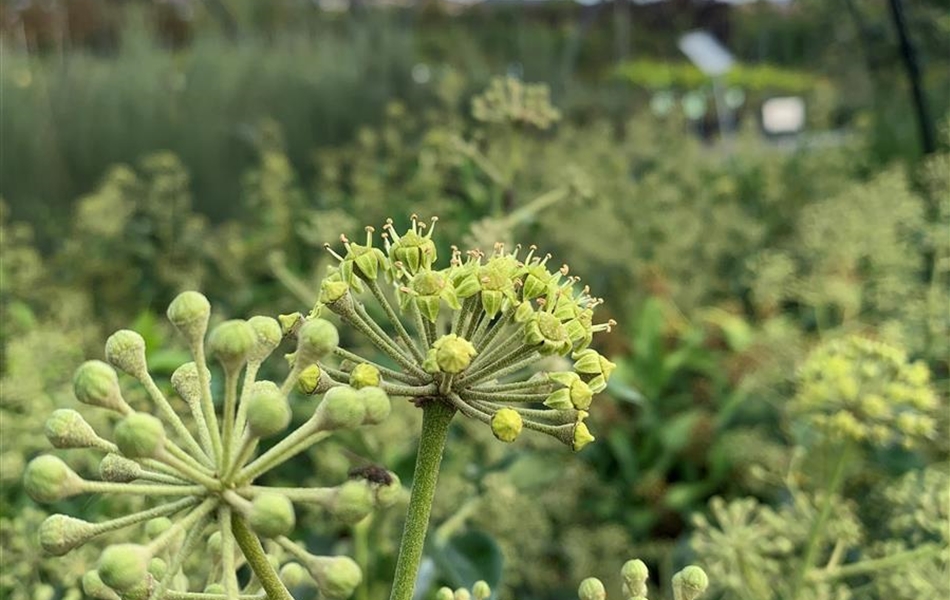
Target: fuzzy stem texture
(254, 553)
(436, 417)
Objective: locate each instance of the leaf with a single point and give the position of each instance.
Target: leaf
(468, 557)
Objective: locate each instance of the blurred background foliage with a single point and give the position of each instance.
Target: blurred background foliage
(151, 147)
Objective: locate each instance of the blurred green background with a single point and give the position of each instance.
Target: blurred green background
(151, 147)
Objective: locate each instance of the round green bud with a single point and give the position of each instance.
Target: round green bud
(272, 515)
(66, 428)
(445, 593)
(388, 494)
(635, 575)
(581, 437)
(309, 380)
(340, 409)
(453, 354)
(118, 469)
(268, 333)
(316, 339)
(506, 424)
(124, 566)
(337, 577)
(294, 575)
(189, 313)
(157, 526)
(268, 411)
(591, 589)
(48, 479)
(690, 583)
(364, 375)
(353, 501)
(377, 404)
(214, 543)
(231, 342)
(186, 382)
(125, 350)
(60, 533)
(462, 594)
(94, 588)
(140, 435)
(481, 590)
(157, 568)
(96, 384)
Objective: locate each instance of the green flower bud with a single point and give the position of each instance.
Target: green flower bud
(690, 583)
(635, 575)
(546, 331)
(66, 428)
(124, 566)
(591, 589)
(590, 362)
(364, 375)
(453, 354)
(506, 424)
(353, 501)
(335, 294)
(445, 593)
(268, 334)
(462, 594)
(582, 436)
(387, 494)
(268, 411)
(118, 469)
(140, 435)
(316, 340)
(125, 350)
(48, 479)
(377, 405)
(214, 543)
(574, 394)
(337, 577)
(186, 383)
(272, 515)
(537, 281)
(232, 342)
(413, 251)
(59, 534)
(157, 526)
(309, 380)
(289, 324)
(157, 568)
(524, 313)
(481, 590)
(341, 409)
(294, 575)
(94, 588)
(96, 384)
(189, 313)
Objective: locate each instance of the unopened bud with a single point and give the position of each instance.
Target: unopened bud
(462, 594)
(96, 384)
(294, 575)
(268, 334)
(337, 577)
(189, 313)
(140, 435)
(364, 375)
(66, 428)
(232, 342)
(124, 566)
(591, 589)
(268, 411)
(453, 354)
(635, 575)
(388, 494)
(157, 526)
(690, 583)
(125, 350)
(582, 436)
(94, 588)
(340, 409)
(118, 469)
(481, 590)
(377, 404)
(316, 339)
(506, 424)
(157, 567)
(272, 515)
(353, 501)
(60, 533)
(49, 479)
(445, 593)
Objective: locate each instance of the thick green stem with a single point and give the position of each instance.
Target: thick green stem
(887, 562)
(814, 534)
(436, 417)
(254, 553)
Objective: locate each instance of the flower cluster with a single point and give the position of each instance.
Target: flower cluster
(478, 324)
(203, 478)
(866, 391)
(688, 584)
(508, 100)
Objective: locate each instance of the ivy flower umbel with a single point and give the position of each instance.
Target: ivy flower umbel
(203, 477)
(463, 337)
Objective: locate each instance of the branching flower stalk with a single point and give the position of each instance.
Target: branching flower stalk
(465, 338)
(203, 478)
